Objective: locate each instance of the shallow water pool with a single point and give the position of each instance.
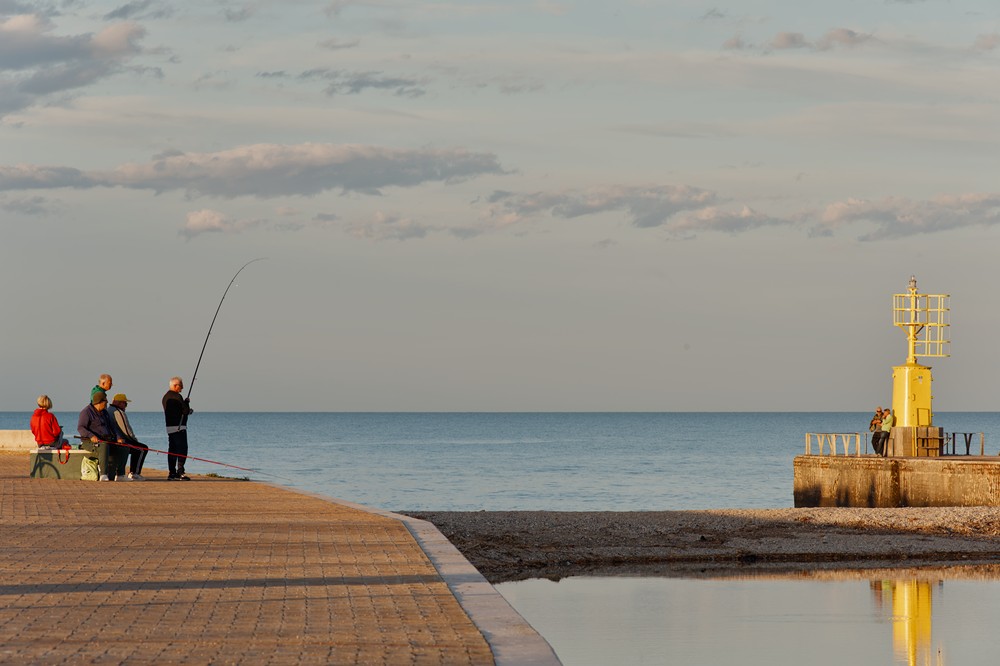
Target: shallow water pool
(914, 616)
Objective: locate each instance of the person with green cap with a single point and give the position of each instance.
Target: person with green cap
(97, 432)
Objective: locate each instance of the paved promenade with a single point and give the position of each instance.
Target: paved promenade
(217, 571)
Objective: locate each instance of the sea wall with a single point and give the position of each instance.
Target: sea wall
(871, 481)
(16, 440)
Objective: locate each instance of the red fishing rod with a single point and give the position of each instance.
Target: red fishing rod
(167, 453)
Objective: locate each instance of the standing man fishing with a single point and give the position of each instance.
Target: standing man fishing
(175, 411)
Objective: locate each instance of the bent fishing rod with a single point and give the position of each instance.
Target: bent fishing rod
(212, 325)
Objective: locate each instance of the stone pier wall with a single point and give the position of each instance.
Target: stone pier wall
(17, 440)
(871, 481)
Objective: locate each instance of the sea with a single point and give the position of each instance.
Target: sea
(587, 461)
(618, 462)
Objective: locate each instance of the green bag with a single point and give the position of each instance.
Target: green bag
(89, 469)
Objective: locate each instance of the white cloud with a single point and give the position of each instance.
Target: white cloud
(34, 63)
(987, 42)
(385, 226)
(729, 221)
(841, 37)
(269, 170)
(897, 217)
(212, 221)
(788, 40)
(644, 206)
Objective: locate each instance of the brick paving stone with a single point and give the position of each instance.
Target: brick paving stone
(214, 571)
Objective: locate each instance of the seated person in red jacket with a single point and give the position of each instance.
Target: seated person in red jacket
(44, 425)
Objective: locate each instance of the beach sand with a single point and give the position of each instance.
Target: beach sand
(516, 545)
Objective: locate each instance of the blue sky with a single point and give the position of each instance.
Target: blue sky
(495, 206)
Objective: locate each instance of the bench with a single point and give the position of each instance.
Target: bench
(47, 463)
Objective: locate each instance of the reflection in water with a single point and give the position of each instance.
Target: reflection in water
(882, 617)
(910, 603)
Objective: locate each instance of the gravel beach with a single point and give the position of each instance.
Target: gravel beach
(515, 545)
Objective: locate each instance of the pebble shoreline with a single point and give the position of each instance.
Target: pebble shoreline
(515, 545)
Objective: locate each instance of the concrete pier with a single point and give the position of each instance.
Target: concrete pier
(874, 481)
(222, 571)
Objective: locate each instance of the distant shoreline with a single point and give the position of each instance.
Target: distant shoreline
(516, 545)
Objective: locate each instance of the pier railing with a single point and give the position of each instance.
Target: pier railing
(951, 441)
(834, 442)
(840, 443)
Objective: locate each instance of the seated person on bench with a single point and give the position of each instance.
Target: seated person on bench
(96, 430)
(45, 426)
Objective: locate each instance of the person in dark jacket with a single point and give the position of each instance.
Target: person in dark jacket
(97, 432)
(175, 412)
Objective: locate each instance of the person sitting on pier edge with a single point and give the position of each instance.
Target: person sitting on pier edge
(136, 450)
(45, 426)
(103, 384)
(97, 432)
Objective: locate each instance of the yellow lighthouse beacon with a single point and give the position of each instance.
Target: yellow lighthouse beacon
(925, 319)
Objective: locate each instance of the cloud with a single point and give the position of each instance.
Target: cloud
(385, 226)
(729, 221)
(268, 170)
(212, 221)
(238, 15)
(897, 217)
(987, 42)
(841, 37)
(26, 206)
(140, 9)
(735, 43)
(788, 40)
(335, 44)
(650, 206)
(340, 82)
(34, 63)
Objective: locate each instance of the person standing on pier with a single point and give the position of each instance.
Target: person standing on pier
(875, 427)
(175, 411)
(888, 420)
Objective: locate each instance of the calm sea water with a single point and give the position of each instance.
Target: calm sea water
(512, 461)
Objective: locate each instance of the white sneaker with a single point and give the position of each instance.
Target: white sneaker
(135, 477)
(104, 477)
(122, 477)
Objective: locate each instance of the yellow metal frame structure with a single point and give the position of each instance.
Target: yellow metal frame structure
(926, 320)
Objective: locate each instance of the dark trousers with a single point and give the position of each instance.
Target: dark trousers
(178, 446)
(137, 456)
(878, 441)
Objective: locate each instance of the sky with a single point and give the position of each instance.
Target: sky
(527, 205)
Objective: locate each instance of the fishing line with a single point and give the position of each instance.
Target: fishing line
(178, 455)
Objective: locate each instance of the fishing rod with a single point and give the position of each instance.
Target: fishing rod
(198, 365)
(167, 453)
